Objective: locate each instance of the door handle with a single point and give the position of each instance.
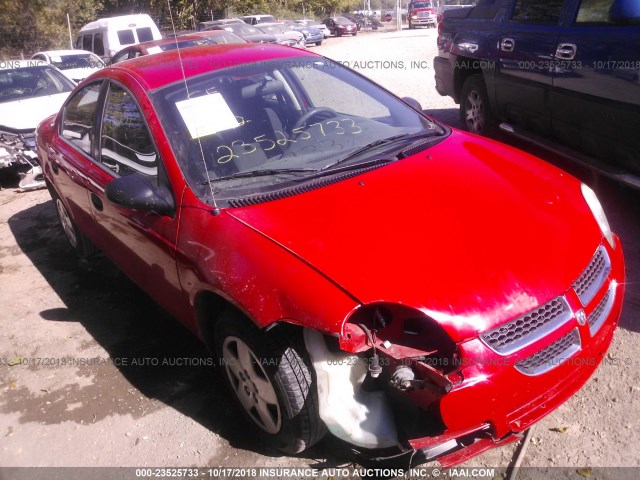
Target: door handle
(566, 51)
(95, 200)
(507, 44)
(53, 157)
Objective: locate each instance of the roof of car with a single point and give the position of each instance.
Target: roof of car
(62, 52)
(155, 71)
(165, 41)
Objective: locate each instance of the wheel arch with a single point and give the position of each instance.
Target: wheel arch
(463, 68)
(209, 307)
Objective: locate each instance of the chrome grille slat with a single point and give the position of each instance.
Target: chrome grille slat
(551, 356)
(593, 277)
(527, 329)
(601, 312)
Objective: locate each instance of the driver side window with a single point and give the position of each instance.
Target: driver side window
(126, 146)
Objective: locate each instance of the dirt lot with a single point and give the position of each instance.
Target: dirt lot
(92, 373)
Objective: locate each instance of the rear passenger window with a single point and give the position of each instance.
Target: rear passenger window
(144, 34)
(78, 117)
(594, 11)
(126, 145)
(98, 45)
(538, 12)
(125, 37)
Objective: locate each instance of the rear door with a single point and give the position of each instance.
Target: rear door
(524, 62)
(141, 243)
(596, 94)
(70, 154)
(104, 133)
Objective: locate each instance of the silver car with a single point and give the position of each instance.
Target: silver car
(284, 34)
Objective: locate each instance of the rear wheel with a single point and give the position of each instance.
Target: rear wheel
(475, 111)
(272, 381)
(76, 239)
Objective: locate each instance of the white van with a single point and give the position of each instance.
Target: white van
(106, 36)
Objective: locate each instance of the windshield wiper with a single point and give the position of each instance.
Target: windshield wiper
(261, 173)
(378, 143)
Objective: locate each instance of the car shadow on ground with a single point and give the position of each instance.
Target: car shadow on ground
(153, 352)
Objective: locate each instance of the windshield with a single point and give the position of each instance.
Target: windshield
(343, 21)
(275, 29)
(242, 29)
(30, 82)
(83, 60)
(223, 36)
(181, 44)
(421, 5)
(303, 114)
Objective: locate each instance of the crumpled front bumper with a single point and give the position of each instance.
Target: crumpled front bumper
(492, 401)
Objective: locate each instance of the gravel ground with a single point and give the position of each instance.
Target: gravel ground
(113, 407)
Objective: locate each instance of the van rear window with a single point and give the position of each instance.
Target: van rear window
(125, 37)
(144, 34)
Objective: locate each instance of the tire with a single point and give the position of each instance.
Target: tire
(355, 33)
(80, 244)
(410, 26)
(272, 382)
(475, 111)
(338, 33)
(318, 43)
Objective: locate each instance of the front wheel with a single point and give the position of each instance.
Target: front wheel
(475, 111)
(318, 43)
(272, 381)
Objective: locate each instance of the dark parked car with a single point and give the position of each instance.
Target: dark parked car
(249, 33)
(354, 266)
(561, 69)
(339, 26)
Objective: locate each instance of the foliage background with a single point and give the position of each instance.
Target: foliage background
(27, 26)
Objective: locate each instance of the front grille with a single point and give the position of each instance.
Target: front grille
(528, 328)
(601, 312)
(593, 277)
(551, 356)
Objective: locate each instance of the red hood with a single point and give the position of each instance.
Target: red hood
(470, 231)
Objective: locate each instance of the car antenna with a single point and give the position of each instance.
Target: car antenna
(216, 209)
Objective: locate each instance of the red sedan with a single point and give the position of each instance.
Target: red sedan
(353, 265)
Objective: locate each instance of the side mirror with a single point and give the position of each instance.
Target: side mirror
(413, 102)
(625, 12)
(135, 191)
